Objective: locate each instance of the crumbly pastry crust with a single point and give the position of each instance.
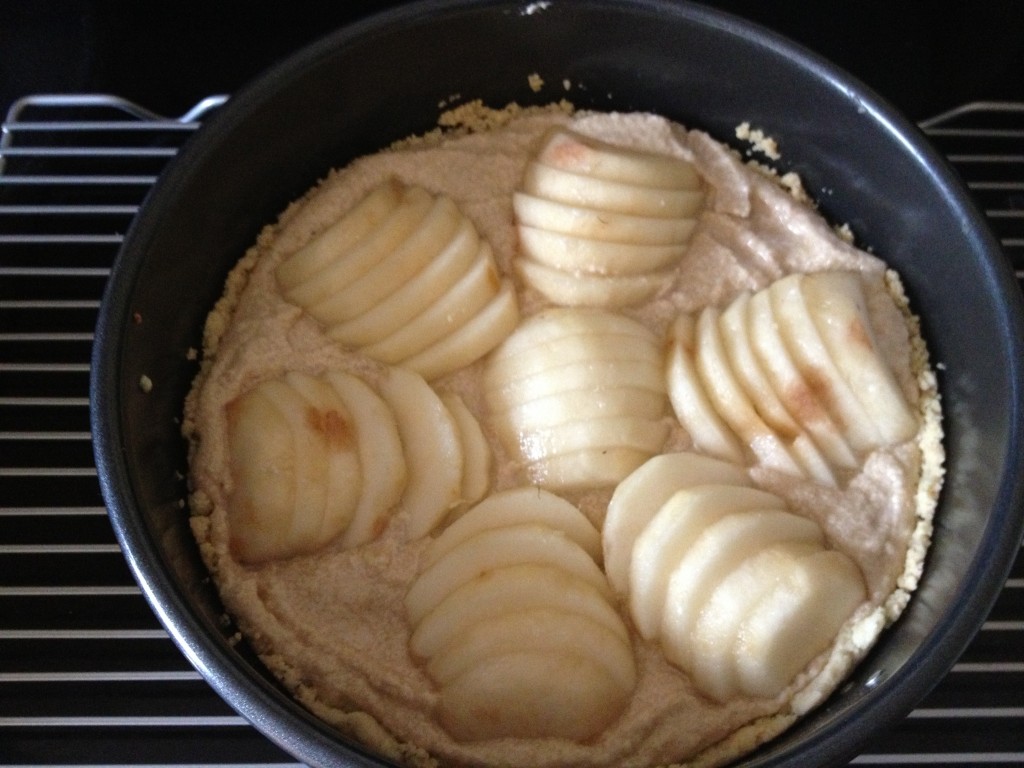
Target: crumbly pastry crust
(330, 625)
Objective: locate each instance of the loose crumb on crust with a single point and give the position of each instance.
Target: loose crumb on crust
(759, 142)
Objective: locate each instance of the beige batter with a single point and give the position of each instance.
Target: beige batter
(332, 625)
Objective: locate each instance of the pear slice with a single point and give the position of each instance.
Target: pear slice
(589, 256)
(532, 211)
(464, 300)
(497, 548)
(381, 456)
(432, 449)
(718, 627)
(665, 540)
(814, 360)
(796, 621)
(328, 414)
(717, 552)
(339, 237)
(409, 258)
(476, 450)
(475, 338)
(261, 504)
(797, 394)
(532, 694)
(749, 373)
(574, 289)
(549, 325)
(517, 506)
(587, 467)
(583, 347)
(520, 419)
(415, 294)
(536, 629)
(587, 191)
(730, 400)
(600, 433)
(552, 340)
(581, 154)
(836, 302)
(583, 376)
(693, 408)
(509, 590)
(640, 495)
(311, 433)
(736, 339)
(350, 265)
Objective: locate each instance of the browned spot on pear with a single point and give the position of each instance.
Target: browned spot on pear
(334, 427)
(858, 334)
(823, 393)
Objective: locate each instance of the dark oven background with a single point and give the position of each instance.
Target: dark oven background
(925, 57)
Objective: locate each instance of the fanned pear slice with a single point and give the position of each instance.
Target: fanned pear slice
(672, 531)
(836, 302)
(717, 552)
(475, 338)
(600, 433)
(796, 620)
(329, 416)
(582, 376)
(311, 430)
(639, 496)
(510, 590)
(476, 451)
(800, 334)
(798, 395)
(532, 694)
(533, 211)
(690, 402)
(587, 468)
(498, 548)
(539, 629)
(588, 256)
(564, 407)
(736, 339)
(339, 237)
(549, 325)
(417, 293)
(518, 506)
(347, 266)
(589, 191)
(516, 577)
(453, 309)
(730, 400)
(575, 289)
(605, 460)
(566, 350)
(397, 267)
(381, 456)
(563, 420)
(749, 373)
(572, 151)
(261, 504)
(603, 226)
(432, 448)
(717, 631)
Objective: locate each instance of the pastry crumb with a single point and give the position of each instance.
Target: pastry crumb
(759, 142)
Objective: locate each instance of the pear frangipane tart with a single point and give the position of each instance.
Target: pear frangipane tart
(579, 438)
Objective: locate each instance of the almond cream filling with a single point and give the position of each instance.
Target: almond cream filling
(332, 624)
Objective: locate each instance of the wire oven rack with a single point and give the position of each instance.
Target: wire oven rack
(87, 674)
